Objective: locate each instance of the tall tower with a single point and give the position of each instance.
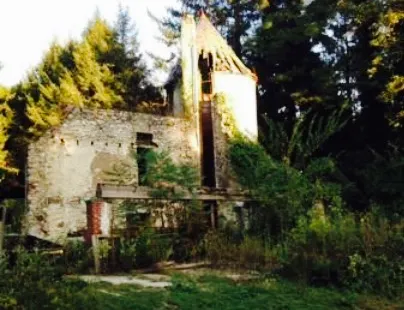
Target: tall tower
(217, 91)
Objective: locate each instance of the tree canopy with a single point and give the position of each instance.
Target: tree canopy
(103, 69)
(315, 60)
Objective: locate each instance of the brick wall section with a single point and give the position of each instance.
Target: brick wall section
(65, 164)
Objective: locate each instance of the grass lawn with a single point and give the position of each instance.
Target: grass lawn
(213, 292)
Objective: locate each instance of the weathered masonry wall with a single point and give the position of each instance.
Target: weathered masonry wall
(65, 165)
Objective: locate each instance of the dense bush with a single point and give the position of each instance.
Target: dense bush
(151, 248)
(363, 252)
(249, 253)
(77, 257)
(313, 234)
(34, 281)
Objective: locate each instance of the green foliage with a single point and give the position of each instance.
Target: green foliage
(376, 179)
(286, 192)
(363, 254)
(103, 70)
(320, 241)
(33, 281)
(15, 209)
(216, 292)
(167, 178)
(26, 284)
(86, 84)
(127, 253)
(6, 118)
(32, 284)
(309, 133)
(151, 248)
(251, 253)
(386, 65)
(77, 257)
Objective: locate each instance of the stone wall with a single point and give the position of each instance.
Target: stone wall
(66, 164)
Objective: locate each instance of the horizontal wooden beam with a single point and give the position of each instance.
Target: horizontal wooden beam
(144, 192)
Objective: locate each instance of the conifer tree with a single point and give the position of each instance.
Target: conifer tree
(118, 49)
(5, 121)
(133, 73)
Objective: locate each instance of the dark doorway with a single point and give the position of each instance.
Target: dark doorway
(208, 152)
(206, 121)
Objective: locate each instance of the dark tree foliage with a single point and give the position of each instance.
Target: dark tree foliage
(315, 59)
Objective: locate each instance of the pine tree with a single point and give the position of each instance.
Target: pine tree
(58, 89)
(118, 49)
(6, 117)
(94, 80)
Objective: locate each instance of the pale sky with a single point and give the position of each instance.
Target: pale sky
(27, 27)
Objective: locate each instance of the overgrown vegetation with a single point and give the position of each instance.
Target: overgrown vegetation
(327, 177)
(32, 282)
(304, 229)
(181, 219)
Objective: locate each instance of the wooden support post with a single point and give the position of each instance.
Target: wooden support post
(213, 214)
(96, 253)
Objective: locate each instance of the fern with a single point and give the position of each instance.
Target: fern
(309, 132)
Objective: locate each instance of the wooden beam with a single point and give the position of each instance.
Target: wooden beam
(143, 192)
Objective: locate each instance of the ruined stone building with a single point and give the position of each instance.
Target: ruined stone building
(210, 93)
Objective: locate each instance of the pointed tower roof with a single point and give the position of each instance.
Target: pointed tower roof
(209, 41)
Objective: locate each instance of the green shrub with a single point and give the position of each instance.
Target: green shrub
(26, 284)
(363, 253)
(152, 248)
(34, 281)
(249, 253)
(127, 253)
(77, 257)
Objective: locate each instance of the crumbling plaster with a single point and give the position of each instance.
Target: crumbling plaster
(65, 164)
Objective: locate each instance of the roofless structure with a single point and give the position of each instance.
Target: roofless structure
(211, 95)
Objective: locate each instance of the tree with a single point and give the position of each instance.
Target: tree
(292, 74)
(6, 116)
(118, 49)
(131, 70)
(86, 84)
(102, 70)
(388, 61)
